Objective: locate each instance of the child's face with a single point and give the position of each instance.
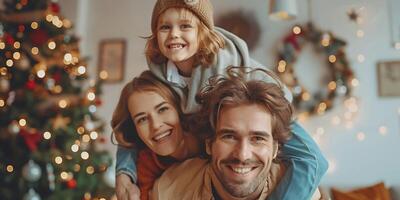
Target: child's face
(156, 121)
(177, 35)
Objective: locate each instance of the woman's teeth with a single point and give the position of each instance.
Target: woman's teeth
(159, 137)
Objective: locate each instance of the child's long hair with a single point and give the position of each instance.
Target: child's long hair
(122, 123)
(209, 44)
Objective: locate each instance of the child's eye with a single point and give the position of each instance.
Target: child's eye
(186, 26)
(164, 27)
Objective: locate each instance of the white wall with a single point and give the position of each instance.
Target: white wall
(355, 163)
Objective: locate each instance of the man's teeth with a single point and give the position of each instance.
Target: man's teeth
(158, 137)
(176, 46)
(241, 170)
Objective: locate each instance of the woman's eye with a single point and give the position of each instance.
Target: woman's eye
(163, 109)
(141, 120)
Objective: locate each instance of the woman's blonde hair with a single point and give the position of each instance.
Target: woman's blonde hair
(122, 124)
(209, 44)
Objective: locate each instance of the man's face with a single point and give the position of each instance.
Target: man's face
(243, 149)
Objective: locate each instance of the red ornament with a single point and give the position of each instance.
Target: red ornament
(38, 37)
(21, 28)
(57, 77)
(102, 140)
(98, 102)
(30, 85)
(54, 7)
(292, 39)
(9, 39)
(31, 137)
(71, 184)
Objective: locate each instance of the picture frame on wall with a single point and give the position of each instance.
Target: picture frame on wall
(389, 78)
(111, 60)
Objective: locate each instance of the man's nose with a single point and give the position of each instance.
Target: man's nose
(243, 151)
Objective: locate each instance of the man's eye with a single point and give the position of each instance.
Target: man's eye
(227, 137)
(259, 139)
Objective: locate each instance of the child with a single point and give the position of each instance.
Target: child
(184, 51)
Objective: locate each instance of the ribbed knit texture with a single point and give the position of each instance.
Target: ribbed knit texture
(201, 8)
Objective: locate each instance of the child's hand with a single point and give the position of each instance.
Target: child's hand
(125, 189)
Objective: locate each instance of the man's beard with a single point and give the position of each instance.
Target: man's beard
(242, 189)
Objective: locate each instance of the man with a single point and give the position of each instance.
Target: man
(246, 121)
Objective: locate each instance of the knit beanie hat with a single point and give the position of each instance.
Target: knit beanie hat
(201, 8)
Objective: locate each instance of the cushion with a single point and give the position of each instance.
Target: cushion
(374, 192)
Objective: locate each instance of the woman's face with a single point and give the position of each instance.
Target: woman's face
(156, 121)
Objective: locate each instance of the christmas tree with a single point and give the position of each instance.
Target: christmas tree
(48, 128)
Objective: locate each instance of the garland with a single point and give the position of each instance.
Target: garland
(341, 76)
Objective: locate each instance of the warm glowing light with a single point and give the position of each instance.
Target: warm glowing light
(81, 70)
(355, 82)
(305, 96)
(336, 120)
(49, 17)
(90, 170)
(91, 96)
(22, 122)
(3, 71)
(85, 155)
(360, 136)
(360, 33)
(62, 103)
(10, 168)
(57, 89)
(326, 40)
(47, 135)
(58, 160)
(2, 103)
(52, 45)
(85, 138)
(34, 25)
(2, 45)
(87, 195)
(360, 58)
(77, 167)
(9, 63)
(35, 50)
(296, 30)
(103, 74)
(41, 73)
(303, 116)
(16, 55)
(332, 58)
(64, 175)
(68, 57)
(383, 130)
(332, 85)
(74, 148)
(67, 23)
(94, 135)
(282, 66)
(322, 107)
(92, 108)
(17, 45)
(80, 130)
